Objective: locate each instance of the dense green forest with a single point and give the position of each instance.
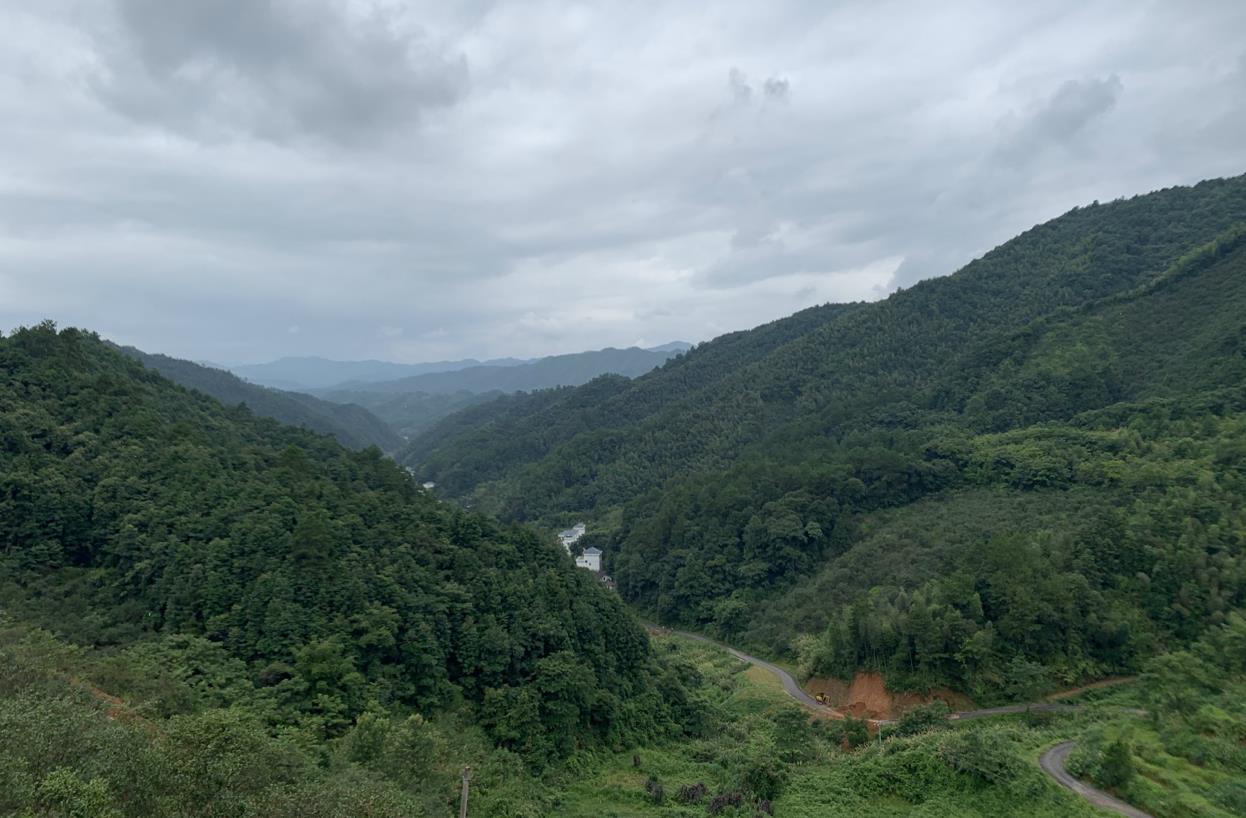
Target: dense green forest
(410, 414)
(187, 736)
(1082, 545)
(353, 426)
(481, 443)
(1033, 464)
(316, 588)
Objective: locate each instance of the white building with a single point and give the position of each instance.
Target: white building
(571, 536)
(590, 559)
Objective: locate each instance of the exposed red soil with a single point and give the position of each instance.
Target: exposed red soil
(867, 697)
(115, 707)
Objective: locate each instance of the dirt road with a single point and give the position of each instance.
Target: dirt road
(1052, 763)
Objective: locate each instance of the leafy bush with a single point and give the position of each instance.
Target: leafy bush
(985, 755)
(920, 719)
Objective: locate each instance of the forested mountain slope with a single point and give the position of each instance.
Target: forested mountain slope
(832, 369)
(1081, 509)
(486, 441)
(410, 414)
(132, 508)
(353, 426)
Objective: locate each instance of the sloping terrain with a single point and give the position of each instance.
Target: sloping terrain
(483, 443)
(131, 507)
(1081, 538)
(353, 426)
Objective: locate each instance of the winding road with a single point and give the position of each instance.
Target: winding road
(790, 685)
(1052, 761)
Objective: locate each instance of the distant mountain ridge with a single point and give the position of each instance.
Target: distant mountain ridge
(571, 369)
(311, 372)
(353, 426)
(412, 404)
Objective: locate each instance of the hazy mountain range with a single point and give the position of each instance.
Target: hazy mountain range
(411, 404)
(310, 372)
(382, 413)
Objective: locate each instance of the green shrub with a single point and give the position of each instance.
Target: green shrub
(921, 719)
(985, 755)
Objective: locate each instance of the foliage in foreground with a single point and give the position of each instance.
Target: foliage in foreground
(192, 737)
(1189, 756)
(766, 756)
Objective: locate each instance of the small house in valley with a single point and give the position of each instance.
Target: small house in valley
(590, 559)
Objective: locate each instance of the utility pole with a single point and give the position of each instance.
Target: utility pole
(467, 777)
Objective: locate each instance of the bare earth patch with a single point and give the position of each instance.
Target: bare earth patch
(866, 696)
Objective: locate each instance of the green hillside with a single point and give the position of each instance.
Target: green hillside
(1037, 459)
(310, 584)
(482, 443)
(410, 414)
(353, 426)
(310, 372)
(1080, 509)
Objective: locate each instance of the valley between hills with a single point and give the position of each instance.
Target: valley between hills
(219, 598)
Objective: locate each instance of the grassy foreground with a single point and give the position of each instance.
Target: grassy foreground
(188, 743)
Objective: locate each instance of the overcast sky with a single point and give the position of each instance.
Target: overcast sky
(236, 180)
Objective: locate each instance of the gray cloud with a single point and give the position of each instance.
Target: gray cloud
(197, 178)
(776, 88)
(1060, 118)
(277, 69)
(738, 84)
(1076, 103)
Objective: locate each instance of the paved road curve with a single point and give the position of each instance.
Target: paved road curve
(1052, 763)
(789, 684)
